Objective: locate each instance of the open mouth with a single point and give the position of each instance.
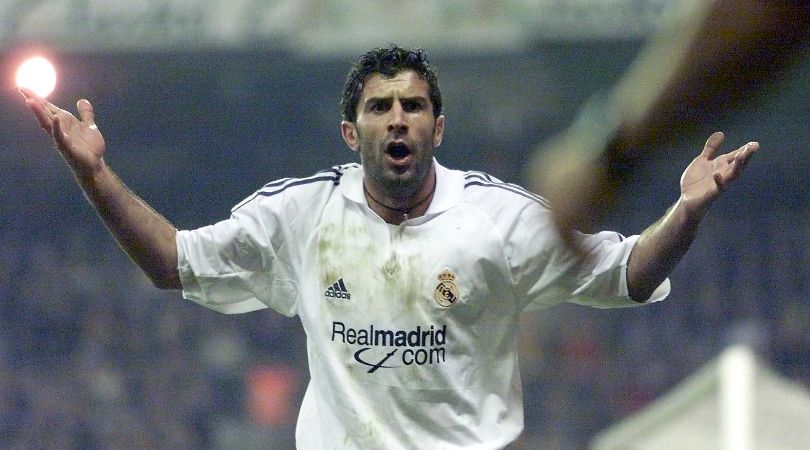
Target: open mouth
(397, 150)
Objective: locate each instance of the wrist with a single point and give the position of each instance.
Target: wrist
(92, 177)
(689, 210)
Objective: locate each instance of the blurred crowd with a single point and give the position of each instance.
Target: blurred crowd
(93, 357)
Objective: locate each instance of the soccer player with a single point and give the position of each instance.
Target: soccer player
(408, 277)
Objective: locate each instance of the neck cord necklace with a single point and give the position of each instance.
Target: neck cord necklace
(403, 211)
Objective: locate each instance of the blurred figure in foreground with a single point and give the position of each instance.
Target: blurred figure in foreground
(708, 57)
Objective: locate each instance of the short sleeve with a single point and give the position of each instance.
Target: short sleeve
(233, 267)
(547, 273)
(603, 279)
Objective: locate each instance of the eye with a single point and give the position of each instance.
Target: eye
(412, 105)
(378, 106)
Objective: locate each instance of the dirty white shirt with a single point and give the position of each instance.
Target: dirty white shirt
(411, 329)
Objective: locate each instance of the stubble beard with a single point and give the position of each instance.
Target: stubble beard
(395, 184)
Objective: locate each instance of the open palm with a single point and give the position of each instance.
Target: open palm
(708, 174)
(78, 139)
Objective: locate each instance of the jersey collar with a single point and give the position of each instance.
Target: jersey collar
(449, 188)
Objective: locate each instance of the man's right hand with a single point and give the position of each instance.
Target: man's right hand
(79, 140)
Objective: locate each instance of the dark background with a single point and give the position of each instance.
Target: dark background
(92, 356)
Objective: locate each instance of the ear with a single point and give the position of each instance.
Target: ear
(438, 131)
(349, 131)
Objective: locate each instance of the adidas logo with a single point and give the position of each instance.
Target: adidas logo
(337, 290)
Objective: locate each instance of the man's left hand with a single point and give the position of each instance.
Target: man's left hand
(709, 173)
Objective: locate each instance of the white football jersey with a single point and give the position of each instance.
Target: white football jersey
(411, 329)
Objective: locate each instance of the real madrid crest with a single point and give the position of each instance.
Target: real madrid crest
(446, 292)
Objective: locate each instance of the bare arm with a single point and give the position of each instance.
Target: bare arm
(146, 236)
(662, 245)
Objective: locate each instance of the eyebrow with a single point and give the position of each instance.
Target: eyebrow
(414, 98)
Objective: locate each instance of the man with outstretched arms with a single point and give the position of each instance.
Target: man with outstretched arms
(408, 277)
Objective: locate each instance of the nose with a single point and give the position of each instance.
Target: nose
(397, 122)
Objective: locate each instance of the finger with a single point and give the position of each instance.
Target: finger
(718, 180)
(741, 156)
(43, 115)
(47, 115)
(748, 150)
(58, 135)
(732, 171)
(27, 93)
(752, 147)
(41, 106)
(86, 112)
(32, 97)
(712, 144)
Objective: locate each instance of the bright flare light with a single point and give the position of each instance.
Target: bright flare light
(38, 75)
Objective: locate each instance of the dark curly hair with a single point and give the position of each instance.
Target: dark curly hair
(388, 62)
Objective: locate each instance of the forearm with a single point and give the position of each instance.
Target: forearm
(146, 236)
(659, 249)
